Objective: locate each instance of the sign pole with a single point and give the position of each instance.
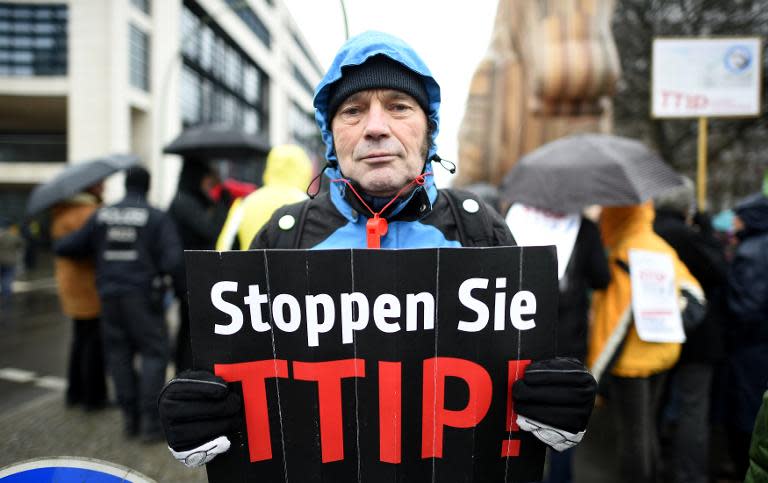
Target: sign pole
(701, 173)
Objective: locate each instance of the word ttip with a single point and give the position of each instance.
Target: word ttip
(328, 376)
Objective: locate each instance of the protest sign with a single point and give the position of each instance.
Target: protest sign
(706, 77)
(654, 297)
(375, 365)
(534, 227)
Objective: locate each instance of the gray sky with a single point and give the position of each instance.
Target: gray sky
(451, 37)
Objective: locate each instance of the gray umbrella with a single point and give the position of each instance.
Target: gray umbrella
(588, 169)
(213, 141)
(74, 179)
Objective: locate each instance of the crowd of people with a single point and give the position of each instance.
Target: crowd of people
(378, 112)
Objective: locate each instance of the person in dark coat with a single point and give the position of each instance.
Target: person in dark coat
(134, 245)
(691, 384)
(747, 335)
(199, 220)
(79, 298)
(585, 269)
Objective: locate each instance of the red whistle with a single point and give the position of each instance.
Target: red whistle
(375, 228)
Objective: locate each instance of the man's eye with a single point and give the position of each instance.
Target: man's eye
(350, 110)
(401, 107)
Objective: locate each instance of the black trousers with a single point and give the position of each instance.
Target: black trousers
(635, 404)
(133, 326)
(86, 383)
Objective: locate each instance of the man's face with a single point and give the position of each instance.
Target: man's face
(380, 138)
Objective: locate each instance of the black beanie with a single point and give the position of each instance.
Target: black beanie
(137, 179)
(378, 72)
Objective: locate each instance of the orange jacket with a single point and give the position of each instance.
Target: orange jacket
(75, 278)
(624, 228)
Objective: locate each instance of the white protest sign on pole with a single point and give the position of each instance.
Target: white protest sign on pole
(712, 77)
(654, 297)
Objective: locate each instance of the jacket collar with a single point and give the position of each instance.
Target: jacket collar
(412, 206)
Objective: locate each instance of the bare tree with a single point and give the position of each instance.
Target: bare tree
(738, 148)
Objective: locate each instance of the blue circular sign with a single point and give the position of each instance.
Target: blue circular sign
(738, 58)
(69, 469)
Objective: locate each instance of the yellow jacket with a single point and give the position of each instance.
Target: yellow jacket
(286, 177)
(624, 228)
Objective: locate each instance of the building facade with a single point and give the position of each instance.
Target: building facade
(83, 78)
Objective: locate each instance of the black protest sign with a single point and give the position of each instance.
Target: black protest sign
(375, 365)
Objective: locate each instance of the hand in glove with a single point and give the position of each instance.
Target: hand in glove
(554, 400)
(197, 410)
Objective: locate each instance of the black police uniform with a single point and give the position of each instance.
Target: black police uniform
(134, 245)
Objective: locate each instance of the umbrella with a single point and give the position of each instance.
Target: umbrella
(571, 173)
(74, 179)
(214, 141)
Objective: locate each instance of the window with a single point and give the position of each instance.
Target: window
(303, 82)
(219, 82)
(305, 51)
(191, 96)
(33, 39)
(190, 41)
(249, 17)
(33, 147)
(139, 58)
(304, 130)
(251, 87)
(251, 121)
(142, 5)
(206, 47)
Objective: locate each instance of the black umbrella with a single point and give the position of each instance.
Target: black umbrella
(74, 179)
(588, 169)
(217, 142)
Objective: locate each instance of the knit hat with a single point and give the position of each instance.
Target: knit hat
(377, 72)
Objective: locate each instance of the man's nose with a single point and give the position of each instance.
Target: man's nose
(377, 122)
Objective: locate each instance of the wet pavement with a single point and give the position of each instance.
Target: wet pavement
(34, 420)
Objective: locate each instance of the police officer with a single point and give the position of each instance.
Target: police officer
(135, 246)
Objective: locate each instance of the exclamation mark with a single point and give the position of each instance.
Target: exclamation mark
(511, 447)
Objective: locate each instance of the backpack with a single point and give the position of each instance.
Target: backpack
(474, 227)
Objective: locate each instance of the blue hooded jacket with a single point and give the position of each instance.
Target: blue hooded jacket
(420, 219)
(400, 233)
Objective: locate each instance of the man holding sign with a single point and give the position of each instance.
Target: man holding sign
(377, 108)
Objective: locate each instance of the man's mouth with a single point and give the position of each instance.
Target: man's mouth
(378, 157)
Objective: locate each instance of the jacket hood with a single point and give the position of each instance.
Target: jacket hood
(619, 222)
(753, 212)
(288, 165)
(355, 52)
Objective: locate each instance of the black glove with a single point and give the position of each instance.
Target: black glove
(197, 410)
(554, 400)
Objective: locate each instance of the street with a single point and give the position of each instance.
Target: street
(35, 422)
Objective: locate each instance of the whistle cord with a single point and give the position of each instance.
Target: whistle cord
(418, 180)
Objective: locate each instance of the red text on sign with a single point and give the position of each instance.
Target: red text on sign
(329, 375)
